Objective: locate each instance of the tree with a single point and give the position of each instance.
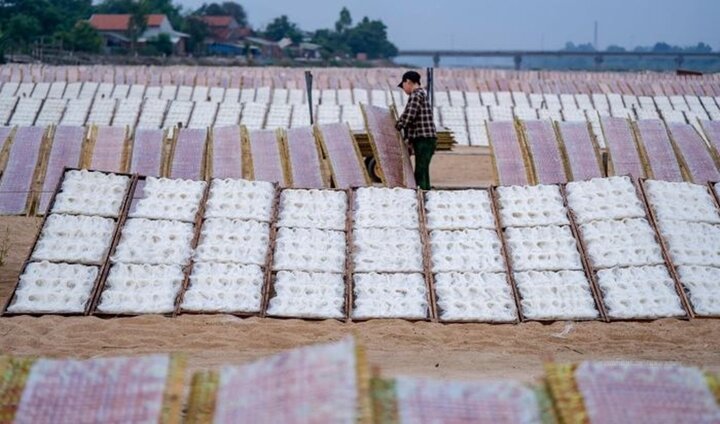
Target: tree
(22, 18)
(138, 22)
(227, 8)
(82, 38)
(198, 31)
(615, 49)
(20, 29)
(572, 47)
(663, 47)
(162, 44)
(114, 6)
(167, 8)
(281, 27)
(344, 21)
(68, 13)
(331, 42)
(370, 37)
(699, 48)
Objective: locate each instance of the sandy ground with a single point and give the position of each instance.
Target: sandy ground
(399, 347)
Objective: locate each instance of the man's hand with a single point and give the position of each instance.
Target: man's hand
(409, 148)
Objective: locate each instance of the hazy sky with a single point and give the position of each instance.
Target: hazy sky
(508, 24)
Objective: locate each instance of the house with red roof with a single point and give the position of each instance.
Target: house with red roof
(114, 30)
(225, 29)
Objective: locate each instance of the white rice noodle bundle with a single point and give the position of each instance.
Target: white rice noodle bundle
(466, 250)
(390, 296)
(387, 250)
(604, 199)
(639, 292)
(474, 296)
(156, 242)
(681, 201)
(528, 206)
(627, 242)
(233, 240)
(385, 207)
(703, 286)
(542, 248)
(322, 209)
(308, 249)
(164, 198)
(46, 287)
(91, 193)
(224, 287)
(458, 209)
(692, 243)
(74, 238)
(141, 289)
(240, 199)
(308, 295)
(555, 295)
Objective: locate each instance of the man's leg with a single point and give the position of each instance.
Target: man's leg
(424, 149)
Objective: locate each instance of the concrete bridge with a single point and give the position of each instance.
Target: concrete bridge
(519, 55)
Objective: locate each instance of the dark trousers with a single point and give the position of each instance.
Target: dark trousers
(424, 148)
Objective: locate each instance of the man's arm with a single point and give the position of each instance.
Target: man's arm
(410, 113)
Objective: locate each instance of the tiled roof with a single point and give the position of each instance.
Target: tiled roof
(217, 21)
(121, 22)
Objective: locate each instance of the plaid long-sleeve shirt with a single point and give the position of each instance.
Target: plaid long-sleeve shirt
(417, 119)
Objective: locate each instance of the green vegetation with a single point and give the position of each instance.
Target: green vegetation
(63, 23)
(627, 63)
(367, 36)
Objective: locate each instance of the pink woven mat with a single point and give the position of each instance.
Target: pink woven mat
(433, 401)
(315, 384)
(109, 390)
(624, 392)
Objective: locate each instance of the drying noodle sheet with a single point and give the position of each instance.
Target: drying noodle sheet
(233, 240)
(422, 400)
(75, 239)
(45, 287)
(91, 193)
(542, 248)
(385, 207)
(218, 287)
(141, 289)
(164, 198)
(639, 292)
(390, 296)
(308, 249)
(466, 250)
(645, 392)
(308, 295)
(555, 295)
(703, 285)
(133, 389)
(458, 209)
(528, 206)
(692, 243)
(145, 241)
(604, 199)
(681, 201)
(322, 209)
(240, 199)
(627, 242)
(474, 296)
(387, 250)
(314, 384)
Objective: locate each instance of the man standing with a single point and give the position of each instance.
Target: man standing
(417, 121)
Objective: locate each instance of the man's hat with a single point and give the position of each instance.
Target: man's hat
(410, 75)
